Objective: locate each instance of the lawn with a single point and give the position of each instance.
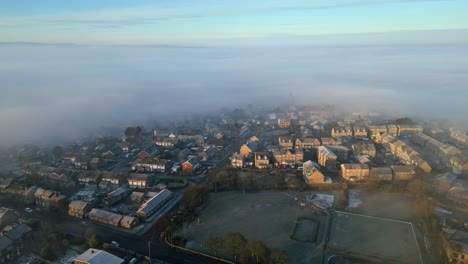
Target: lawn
(266, 216)
(374, 237)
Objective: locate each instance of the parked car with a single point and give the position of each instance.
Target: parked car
(114, 243)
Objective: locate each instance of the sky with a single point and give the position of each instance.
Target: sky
(68, 68)
(188, 22)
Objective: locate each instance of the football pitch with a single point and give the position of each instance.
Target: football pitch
(272, 217)
(374, 238)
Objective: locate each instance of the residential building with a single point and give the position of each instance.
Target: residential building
(152, 205)
(403, 172)
(248, 149)
(355, 172)
(137, 197)
(151, 165)
(262, 160)
(128, 222)
(364, 148)
(375, 130)
(326, 158)
(45, 171)
(443, 182)
(455, 244)
(11, 243)
(404, 130)
(140, 181)
(7, 217)
(341, 152)
(286, 142)
(96, 256)
(311, 173)
(94, 163)
(459, 136)
(284, 123)
(342, 131)
(381, 174)
(49, 199)
(237, 160)
(166, 142)
(458, 195)
(111, 179)
(288, 156)
(360, 131)
(61, 177)
(116, 196)
(326, 141)
(191, 165)
(392, 130)
(105, 217)
(79, 209)
(307, 143)
(88, 177)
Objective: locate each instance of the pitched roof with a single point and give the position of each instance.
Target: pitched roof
(96, 256)
(18, 231)
(78, 204)
(5, 242)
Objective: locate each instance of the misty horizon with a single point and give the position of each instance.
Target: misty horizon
(65, 92)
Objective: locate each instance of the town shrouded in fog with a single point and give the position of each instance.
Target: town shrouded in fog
(251, 132)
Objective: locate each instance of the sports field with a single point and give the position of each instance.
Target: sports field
(374, 237)
(267, 216)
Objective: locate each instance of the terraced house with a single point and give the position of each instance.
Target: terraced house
(342, 131)
(288, 156)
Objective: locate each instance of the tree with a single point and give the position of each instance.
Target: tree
(258, 249)
(234, 242)
(57, 151)
(279, 257)
(215, 244)
(404, 121)
(47, 253)
(93, 241)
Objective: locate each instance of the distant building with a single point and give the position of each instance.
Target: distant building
(364, 148)
(137, 180)
(404, 130)
(152, 205)
(237, 160)
(312, 174)
(262, 160)
(286, 141)
(455, 244)
(355, 172)
(105, 217)
(96, 256)
(342, 131)
(326, 157)
(403, 172)
(307, 143)
(7, 217)
(360, 131)
(79, 209)
(381, 174)
(288, 156)
(191, 165)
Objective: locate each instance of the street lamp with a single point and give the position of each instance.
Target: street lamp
(149, 251)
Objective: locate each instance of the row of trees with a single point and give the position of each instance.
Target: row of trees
(246, 252)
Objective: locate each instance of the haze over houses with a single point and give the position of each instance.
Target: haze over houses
(126, 183)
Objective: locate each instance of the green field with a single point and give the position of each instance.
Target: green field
(374, 237)
(266, 216)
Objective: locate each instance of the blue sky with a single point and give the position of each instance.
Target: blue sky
(205, 21)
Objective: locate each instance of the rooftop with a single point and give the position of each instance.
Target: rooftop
(96, 256)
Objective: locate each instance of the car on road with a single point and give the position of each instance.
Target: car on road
(28, 210)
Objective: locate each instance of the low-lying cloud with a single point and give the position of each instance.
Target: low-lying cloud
(59, 92)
